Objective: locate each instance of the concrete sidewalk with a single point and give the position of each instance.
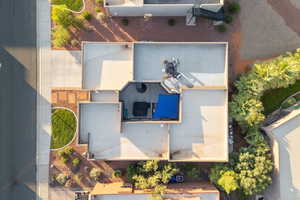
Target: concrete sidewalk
(55, 69)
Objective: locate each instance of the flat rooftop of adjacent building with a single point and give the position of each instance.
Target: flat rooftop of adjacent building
(155, 2)
(200, 132)
(286, 133)
(182, 191)
(180, 1)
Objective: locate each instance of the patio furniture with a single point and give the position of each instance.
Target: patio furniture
(167, 107)
(171, 68)
(141, 87)
(140, 109)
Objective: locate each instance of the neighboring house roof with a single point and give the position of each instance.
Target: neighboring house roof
(199, 133)
(158, 7)
(191, 190)
(285, 138)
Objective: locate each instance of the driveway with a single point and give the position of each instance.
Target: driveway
(268, 28)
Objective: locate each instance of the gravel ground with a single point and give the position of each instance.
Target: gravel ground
(295, 3)
(264, 32)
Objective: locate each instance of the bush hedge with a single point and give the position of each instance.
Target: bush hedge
(74, 5)
(233, 7)
(248, 171)
(61, 36)
(281, 72)
(86, 15)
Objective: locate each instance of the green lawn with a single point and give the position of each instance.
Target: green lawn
(63, 127)
(75, 5)
(272, 99)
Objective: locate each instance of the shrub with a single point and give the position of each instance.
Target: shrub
(193, 173)
(95, 174)
(125, 22)
(75, 5)
(61, 16)
(62, 153)
(151, 175)
(64, 159)
(63, 156)
(97, 9)
(221, 28)
(61, 36)
(228, 181)
(233, 7)
(254, 168)
(74, 42)
(76, 162)
(78, 178)
(117, 173)
(86, 15)
(249, 170)
(68, 150)
(62, 178)
(280, 72)
(100, 16)
(52, 180)
(69, 183)
(228, 19)
(131, 171)
(289, 102)
(77, 22)
(171, 22)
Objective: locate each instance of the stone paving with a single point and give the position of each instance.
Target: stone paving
(68, 98)
(264, 33)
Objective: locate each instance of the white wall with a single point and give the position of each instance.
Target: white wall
(155, 10)
(158, 9)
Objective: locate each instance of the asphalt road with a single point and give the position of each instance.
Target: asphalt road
(17, 99)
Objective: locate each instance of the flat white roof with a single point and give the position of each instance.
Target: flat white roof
(287, 135)
(202, 133)
(106, 66)
(207, 196)
(108, 140)
(204, 64)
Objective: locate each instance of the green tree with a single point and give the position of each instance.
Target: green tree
(247, 111)
(61, 36)
(95, 174)
(151, 175)
(248, 171)
(254, 168)
(228, 181)
(279, 72)
(62, 16)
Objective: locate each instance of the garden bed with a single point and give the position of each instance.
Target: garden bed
(64, 126)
